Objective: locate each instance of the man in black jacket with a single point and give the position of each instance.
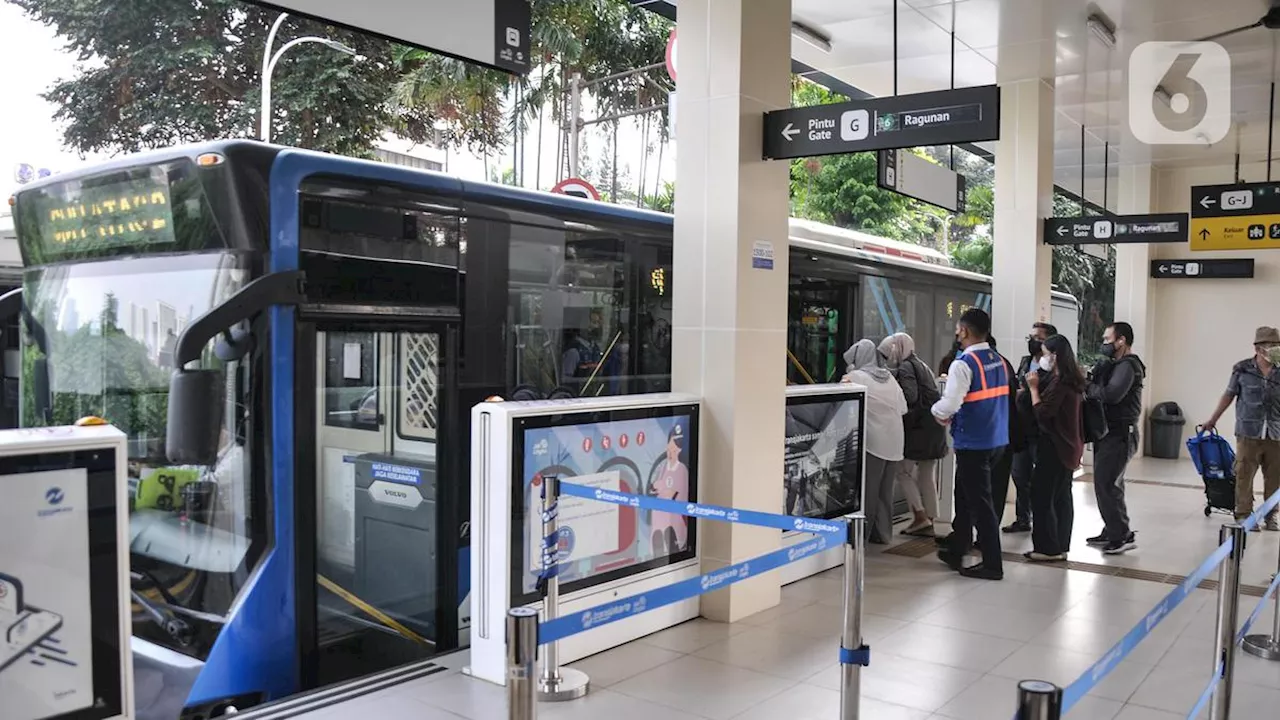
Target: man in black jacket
(1117, 382)
(1023, 440)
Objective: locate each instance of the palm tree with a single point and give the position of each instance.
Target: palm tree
(593, 38)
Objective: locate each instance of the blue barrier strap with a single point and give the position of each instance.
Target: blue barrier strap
(1094, 675)
(860, 656)
(1257, 610)
(611, 612)
(1207, 694)
(833, 530)
(1257, 515)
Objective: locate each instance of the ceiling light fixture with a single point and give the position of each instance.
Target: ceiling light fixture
(1102, 29)
(811, 36)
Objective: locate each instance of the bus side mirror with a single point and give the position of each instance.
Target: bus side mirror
(197, 400)
(197, 396)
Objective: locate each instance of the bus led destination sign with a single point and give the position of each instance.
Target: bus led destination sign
(135, 210)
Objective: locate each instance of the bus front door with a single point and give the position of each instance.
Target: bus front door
(375, 481)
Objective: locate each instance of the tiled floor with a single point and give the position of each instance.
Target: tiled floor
(944, 647)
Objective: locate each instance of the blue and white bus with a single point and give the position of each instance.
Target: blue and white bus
(340, 317)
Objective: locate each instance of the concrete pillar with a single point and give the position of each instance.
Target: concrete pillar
(1022, 267)
(729, 329)
(1133, 262)
(1133, 293)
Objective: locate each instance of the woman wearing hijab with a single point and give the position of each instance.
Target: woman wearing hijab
(884, 437)
(925, 439)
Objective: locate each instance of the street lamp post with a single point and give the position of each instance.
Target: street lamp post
(269, 61)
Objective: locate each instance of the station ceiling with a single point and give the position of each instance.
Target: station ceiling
(998, 41)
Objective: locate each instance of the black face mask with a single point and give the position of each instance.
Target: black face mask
(1108, 350)
(1034, 347)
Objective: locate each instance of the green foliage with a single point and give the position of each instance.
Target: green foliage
(841, 189)
(155, 73)
(664, 201)
(594, 38)
(101, 371)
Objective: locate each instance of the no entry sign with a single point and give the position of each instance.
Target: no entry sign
(577, 187)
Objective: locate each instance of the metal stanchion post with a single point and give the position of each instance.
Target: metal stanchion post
(557, 684)
(1228, 619)
(522, 660)
(851, 633)
(1263, 646)
(1039, 700)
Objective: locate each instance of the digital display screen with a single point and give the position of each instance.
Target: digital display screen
(647, 452)
(133, 211)
(822, 474)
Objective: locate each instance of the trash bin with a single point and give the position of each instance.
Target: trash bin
(1165, 430)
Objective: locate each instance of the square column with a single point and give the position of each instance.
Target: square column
(729, 328)
(1023, 264)
(1133, 292)
(1133, 262)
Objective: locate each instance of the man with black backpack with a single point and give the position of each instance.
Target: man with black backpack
(1116, 381)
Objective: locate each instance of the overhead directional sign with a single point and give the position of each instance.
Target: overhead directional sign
(489, 32)
(909, 174)
(934, 118)
(1116, 229)
(1206, 269)
(1235, 217)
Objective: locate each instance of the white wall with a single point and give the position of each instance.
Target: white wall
(1203, 327)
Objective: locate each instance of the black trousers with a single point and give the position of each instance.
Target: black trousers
(1001, 468)
(1051, 502)
(1024, 466)
(1111, 456)
(974, 510)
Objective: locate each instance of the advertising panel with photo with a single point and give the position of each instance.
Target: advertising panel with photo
(823, 463)
(647, 451)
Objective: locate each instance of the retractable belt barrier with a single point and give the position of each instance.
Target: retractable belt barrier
(828, 534)
(1045, 701)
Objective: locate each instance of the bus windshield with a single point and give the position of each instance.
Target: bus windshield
(107, 332)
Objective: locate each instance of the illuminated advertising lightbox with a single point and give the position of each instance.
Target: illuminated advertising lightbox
(649, 451)
(822, 474)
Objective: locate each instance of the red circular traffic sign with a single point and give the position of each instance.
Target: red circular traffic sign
(671, 55)
(577, 187)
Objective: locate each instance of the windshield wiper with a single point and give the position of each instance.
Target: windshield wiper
(174, 626)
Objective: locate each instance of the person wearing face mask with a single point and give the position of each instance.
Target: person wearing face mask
(884, 438)
(1057, 406)
(976, 406)
(1117, 381)
(926, 440)
(1023, 439)
(1255, 389)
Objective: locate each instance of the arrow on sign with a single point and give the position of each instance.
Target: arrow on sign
(1164, 268)
(789, 132)
(1206, 201)
(1204, 233)
(1062, 230)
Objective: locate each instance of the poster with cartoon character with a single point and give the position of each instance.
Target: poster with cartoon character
(652, 456)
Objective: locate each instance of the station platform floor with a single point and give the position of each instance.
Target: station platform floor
(943, 647)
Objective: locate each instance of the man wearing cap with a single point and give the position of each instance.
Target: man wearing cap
(1255, 389)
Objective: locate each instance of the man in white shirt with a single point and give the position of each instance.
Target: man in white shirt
(975, 404)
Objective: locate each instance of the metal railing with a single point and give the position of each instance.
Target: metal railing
(1038, 700)
(525, 632)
